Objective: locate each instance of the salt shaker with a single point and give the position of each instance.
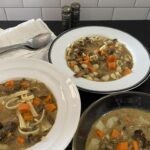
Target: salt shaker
(66, 17)
(75, 14)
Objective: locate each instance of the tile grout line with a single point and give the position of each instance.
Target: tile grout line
(147, 14)
(97, 3)
(5, 13)
(134, 4)
(60, 3)
(22, 4)
(112, 13)
(41, 14)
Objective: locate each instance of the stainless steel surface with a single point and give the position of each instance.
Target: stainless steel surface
(34, 43)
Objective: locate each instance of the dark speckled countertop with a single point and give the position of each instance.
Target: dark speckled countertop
(138, 29)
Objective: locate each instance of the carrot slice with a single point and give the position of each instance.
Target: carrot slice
(24, 107)
(20, 139)
(10, 84)
(50, 107)
(112, 65)
(111, 58)
(48, 98)
(135, 145)
(36, 101)
(122, 146)
(99, 133)
(86, 59)
(103, 53)
(126, 71)
(115, 133)
(27, 116)
(91, 69)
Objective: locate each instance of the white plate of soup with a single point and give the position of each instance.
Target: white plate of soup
(37, 106)
(101, 59)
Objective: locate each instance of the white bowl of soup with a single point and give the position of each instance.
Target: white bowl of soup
(37, 104)
(116, 122)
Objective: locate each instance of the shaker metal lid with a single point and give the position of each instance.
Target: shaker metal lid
(66, 9)
(75, 6)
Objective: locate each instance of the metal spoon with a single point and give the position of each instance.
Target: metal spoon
(34, 43)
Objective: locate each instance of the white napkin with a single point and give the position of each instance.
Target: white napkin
(21, 33)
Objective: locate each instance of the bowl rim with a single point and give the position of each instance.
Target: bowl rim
(95, 103)
(22, 64)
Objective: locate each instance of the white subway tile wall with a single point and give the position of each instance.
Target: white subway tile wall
(142, 3)
(83, 3)
(51, 13)
(23, 13)
(96, 13)
(41, 3)
(116, 3)
(90, 9)
(130, 13)
(11, 3)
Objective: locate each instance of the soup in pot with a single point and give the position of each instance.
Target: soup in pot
(120, 129)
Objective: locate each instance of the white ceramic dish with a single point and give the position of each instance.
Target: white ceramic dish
(64, 90)
(140, 71)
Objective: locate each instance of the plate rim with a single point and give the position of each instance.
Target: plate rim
(147, 75)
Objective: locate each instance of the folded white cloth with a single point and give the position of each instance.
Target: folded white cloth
(21, 33)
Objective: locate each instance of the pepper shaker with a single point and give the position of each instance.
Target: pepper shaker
(66, 17)
(75, 14)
